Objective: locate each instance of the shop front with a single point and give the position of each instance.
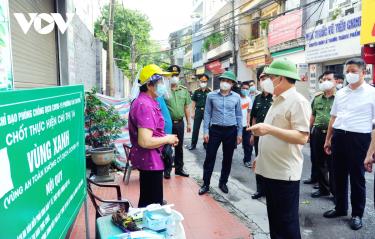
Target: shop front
(329, 45)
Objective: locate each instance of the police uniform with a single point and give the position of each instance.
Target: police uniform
(179, 99)
(321, 108)
(314, 166)
(199, 97)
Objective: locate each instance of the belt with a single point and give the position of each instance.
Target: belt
(322, 130)
(340, 131)
(224, 127)
(177, 121)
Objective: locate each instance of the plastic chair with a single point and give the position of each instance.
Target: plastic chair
(104, 207)
(128, 167)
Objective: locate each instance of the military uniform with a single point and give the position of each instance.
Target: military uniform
(199, 97)
(177, 102)
(321, 108)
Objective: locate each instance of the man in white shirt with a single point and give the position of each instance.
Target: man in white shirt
(348, 139)
(246, 105)
(280, 160)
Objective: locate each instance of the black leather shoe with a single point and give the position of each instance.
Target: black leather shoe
(191, 147)
(355, 223)
(223, 187)
(204, 189)
(309, 181)
(257, 195)
(182, 173)
(333, 214)
(167, 175)
(318, 194)
(316, 186)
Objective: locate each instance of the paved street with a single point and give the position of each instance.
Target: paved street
(242, 184)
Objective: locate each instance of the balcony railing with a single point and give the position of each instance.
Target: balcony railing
(252, 46)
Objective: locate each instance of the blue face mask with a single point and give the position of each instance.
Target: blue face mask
(161, 90)
(253, 88)
(245, 92)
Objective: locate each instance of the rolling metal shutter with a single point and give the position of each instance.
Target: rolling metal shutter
(34, 55)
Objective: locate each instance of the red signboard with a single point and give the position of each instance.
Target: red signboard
(215, 67)
(285, 28)
(368, 54)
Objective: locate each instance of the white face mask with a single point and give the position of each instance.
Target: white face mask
(203, 84)
(267, 85)
(326, 85)
(174, 80)
(339, 86)
(352, 78)
(225, 85)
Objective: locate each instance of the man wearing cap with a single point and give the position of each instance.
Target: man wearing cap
(222, 125)
(178, 105)
(284, 131)
(198, 103)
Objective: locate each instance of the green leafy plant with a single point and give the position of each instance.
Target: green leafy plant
(102, 122)
(264, 24)
(213, 40)
(336, 13)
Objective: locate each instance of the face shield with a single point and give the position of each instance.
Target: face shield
(135, 89)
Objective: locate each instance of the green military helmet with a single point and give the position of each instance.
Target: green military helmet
(228, 75)
(283, 67)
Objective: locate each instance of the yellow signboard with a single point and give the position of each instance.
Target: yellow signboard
(368, 22)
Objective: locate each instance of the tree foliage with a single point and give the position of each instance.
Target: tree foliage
(128, 24)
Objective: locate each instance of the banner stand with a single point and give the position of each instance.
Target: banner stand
(87, 219)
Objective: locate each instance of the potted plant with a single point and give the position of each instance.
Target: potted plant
(103, 125)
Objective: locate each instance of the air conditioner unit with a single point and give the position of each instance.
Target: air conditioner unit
(349, 11)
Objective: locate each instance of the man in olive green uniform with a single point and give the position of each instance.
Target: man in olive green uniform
(198, 104)
(321, 108)
(178, 105)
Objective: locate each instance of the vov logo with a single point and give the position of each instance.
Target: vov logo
(51, 19)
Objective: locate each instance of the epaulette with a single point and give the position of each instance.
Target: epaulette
(318, 93)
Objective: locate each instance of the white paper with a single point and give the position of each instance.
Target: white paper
(6, 182)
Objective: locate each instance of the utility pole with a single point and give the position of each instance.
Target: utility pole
(110, 84)
(132, 55)
(234, 41)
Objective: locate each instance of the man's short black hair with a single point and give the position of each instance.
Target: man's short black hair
(290, 80)
(339, 76)
(328, 73)
(320, 77)
(251, 81)
(143, 88)
(245, 83)
(356, 61)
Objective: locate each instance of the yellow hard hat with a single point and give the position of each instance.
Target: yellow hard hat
(149, 71)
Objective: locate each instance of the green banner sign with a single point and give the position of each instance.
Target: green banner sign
(42, 161)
